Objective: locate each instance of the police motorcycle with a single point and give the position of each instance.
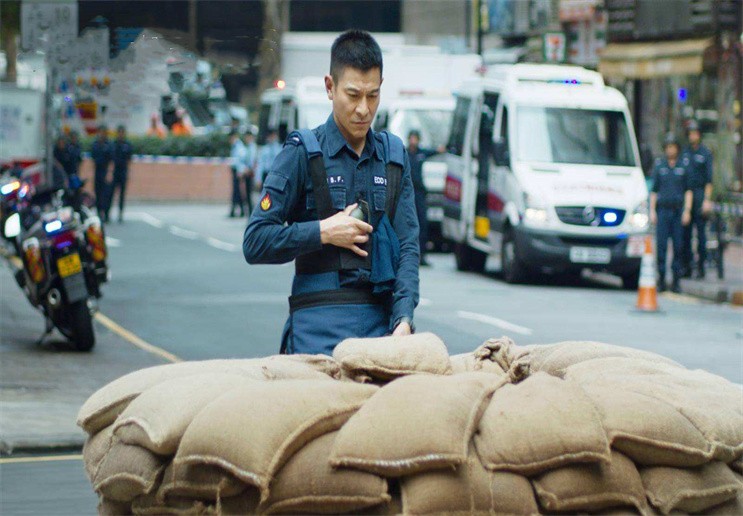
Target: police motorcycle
(10, 184)
(62, 245)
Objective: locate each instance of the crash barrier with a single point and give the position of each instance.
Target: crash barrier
(725, 227)
(395, 425)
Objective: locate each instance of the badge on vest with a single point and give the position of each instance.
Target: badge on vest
(379, 180)
(336, 180)
(266, 202)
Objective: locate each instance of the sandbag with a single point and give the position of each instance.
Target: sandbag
(308, 484)
(541, 423)
(240, 505)
(690, 490)
(711, 403)
(108, 507)
(104, 406)
(492, 356)
(730, 508)
(592, 487)
(649, 431)
(158, 417)
(468, 363)
(414, 424)
(198, 481)
(386, 358)
(262, 425)
(95, 449)
(468, 489)
(127, 472)
(554, 359)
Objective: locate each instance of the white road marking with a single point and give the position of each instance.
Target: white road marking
(113, 242)
(494, 321)
(219, 244)
(147, 218)
(183, 233)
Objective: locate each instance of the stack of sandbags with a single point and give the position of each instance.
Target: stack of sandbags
(394, 425)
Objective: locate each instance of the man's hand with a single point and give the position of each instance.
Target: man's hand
(342, 230)
(686, 218)
(707, 207)
(402, 329)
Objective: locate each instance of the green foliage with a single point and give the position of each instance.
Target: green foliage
(213, 145)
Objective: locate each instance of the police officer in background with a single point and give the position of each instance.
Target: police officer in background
(122, 155)
(102, 154)
(346, 196)
(268, 154)
(416, 156)
(700, 183)
(670, 208)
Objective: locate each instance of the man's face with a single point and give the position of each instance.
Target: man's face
(413, 141)
(694, 137)
(672, 151)
(355, 99)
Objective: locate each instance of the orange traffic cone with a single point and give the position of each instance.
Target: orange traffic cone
(647, 292)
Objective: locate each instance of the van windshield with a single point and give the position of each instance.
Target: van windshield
(433, 125)
(582, 136)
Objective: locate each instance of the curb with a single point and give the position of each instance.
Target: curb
(36, 448)
(714, 293)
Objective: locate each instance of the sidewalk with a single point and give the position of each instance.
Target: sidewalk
(726, 290)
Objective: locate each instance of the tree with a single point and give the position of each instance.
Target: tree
(10, 27)
(274, 15)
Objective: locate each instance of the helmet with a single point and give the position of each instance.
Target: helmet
(692, 125)
(670, 139)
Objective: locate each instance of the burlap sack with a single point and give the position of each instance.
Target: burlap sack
(127, 472)
(158, 417)
(108, 507)
(198, 481)
(240, 505)
(648, 430)
(731, 508)
(492, 356)
(541, 423)
(415, 424)
(592, 487)
(308, 484)
(95, 449)
(469, 363)
(468, 489)
(386, 358)
(252, 431)
(554, 359)
(104, 406)
(711, 403)
(690, 490)
(737, 466)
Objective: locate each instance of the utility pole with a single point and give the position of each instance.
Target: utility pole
(478, 17)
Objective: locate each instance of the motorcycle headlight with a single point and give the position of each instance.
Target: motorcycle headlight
(51, 227)
(640, 219)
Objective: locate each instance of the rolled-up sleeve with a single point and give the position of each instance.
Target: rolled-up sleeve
(406, 293)
(268, 237)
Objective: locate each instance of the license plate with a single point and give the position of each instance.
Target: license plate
(69, 265)
(435, 213)
(590, 255)
(635, 246)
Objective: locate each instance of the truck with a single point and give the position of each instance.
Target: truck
(22, 135)
(543, 175)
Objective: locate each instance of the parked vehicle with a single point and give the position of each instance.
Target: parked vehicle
(543, 174)
(63, 250)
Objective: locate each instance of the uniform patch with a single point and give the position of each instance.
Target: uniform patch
(379, 180)
(336, 180)
(266, 202)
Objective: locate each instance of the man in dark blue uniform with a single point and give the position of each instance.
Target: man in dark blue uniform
(700, 183)
(670, 208)
(75, 153)
(122, 155)
(339, 200)
(416, 156)
(102, 153)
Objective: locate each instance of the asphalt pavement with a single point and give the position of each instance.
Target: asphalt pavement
(180, 289)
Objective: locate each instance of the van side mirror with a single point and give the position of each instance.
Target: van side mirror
(501, 154)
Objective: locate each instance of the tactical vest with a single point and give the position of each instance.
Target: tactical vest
(330, 257)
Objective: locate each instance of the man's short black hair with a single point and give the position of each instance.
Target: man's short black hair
(356, 49)
(414, 132)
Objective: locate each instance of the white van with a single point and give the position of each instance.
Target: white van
(543, 174)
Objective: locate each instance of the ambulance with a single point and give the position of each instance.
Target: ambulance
(543, 175)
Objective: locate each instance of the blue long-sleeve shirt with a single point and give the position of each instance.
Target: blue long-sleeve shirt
(285, 224)
(700, 166)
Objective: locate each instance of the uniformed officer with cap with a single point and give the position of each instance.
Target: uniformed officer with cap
(670, 208)
(700, 183)
(338, 200)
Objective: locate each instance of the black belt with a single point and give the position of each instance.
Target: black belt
(341, 296)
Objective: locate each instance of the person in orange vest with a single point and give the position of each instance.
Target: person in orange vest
(155, 128)
(179, 128)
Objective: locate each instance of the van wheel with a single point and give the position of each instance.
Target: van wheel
(631, 281)
(469, 259)
(513, 270)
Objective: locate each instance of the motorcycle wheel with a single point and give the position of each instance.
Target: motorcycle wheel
(80, 326)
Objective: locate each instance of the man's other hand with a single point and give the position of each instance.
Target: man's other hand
(402, 329)
(342, 230)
